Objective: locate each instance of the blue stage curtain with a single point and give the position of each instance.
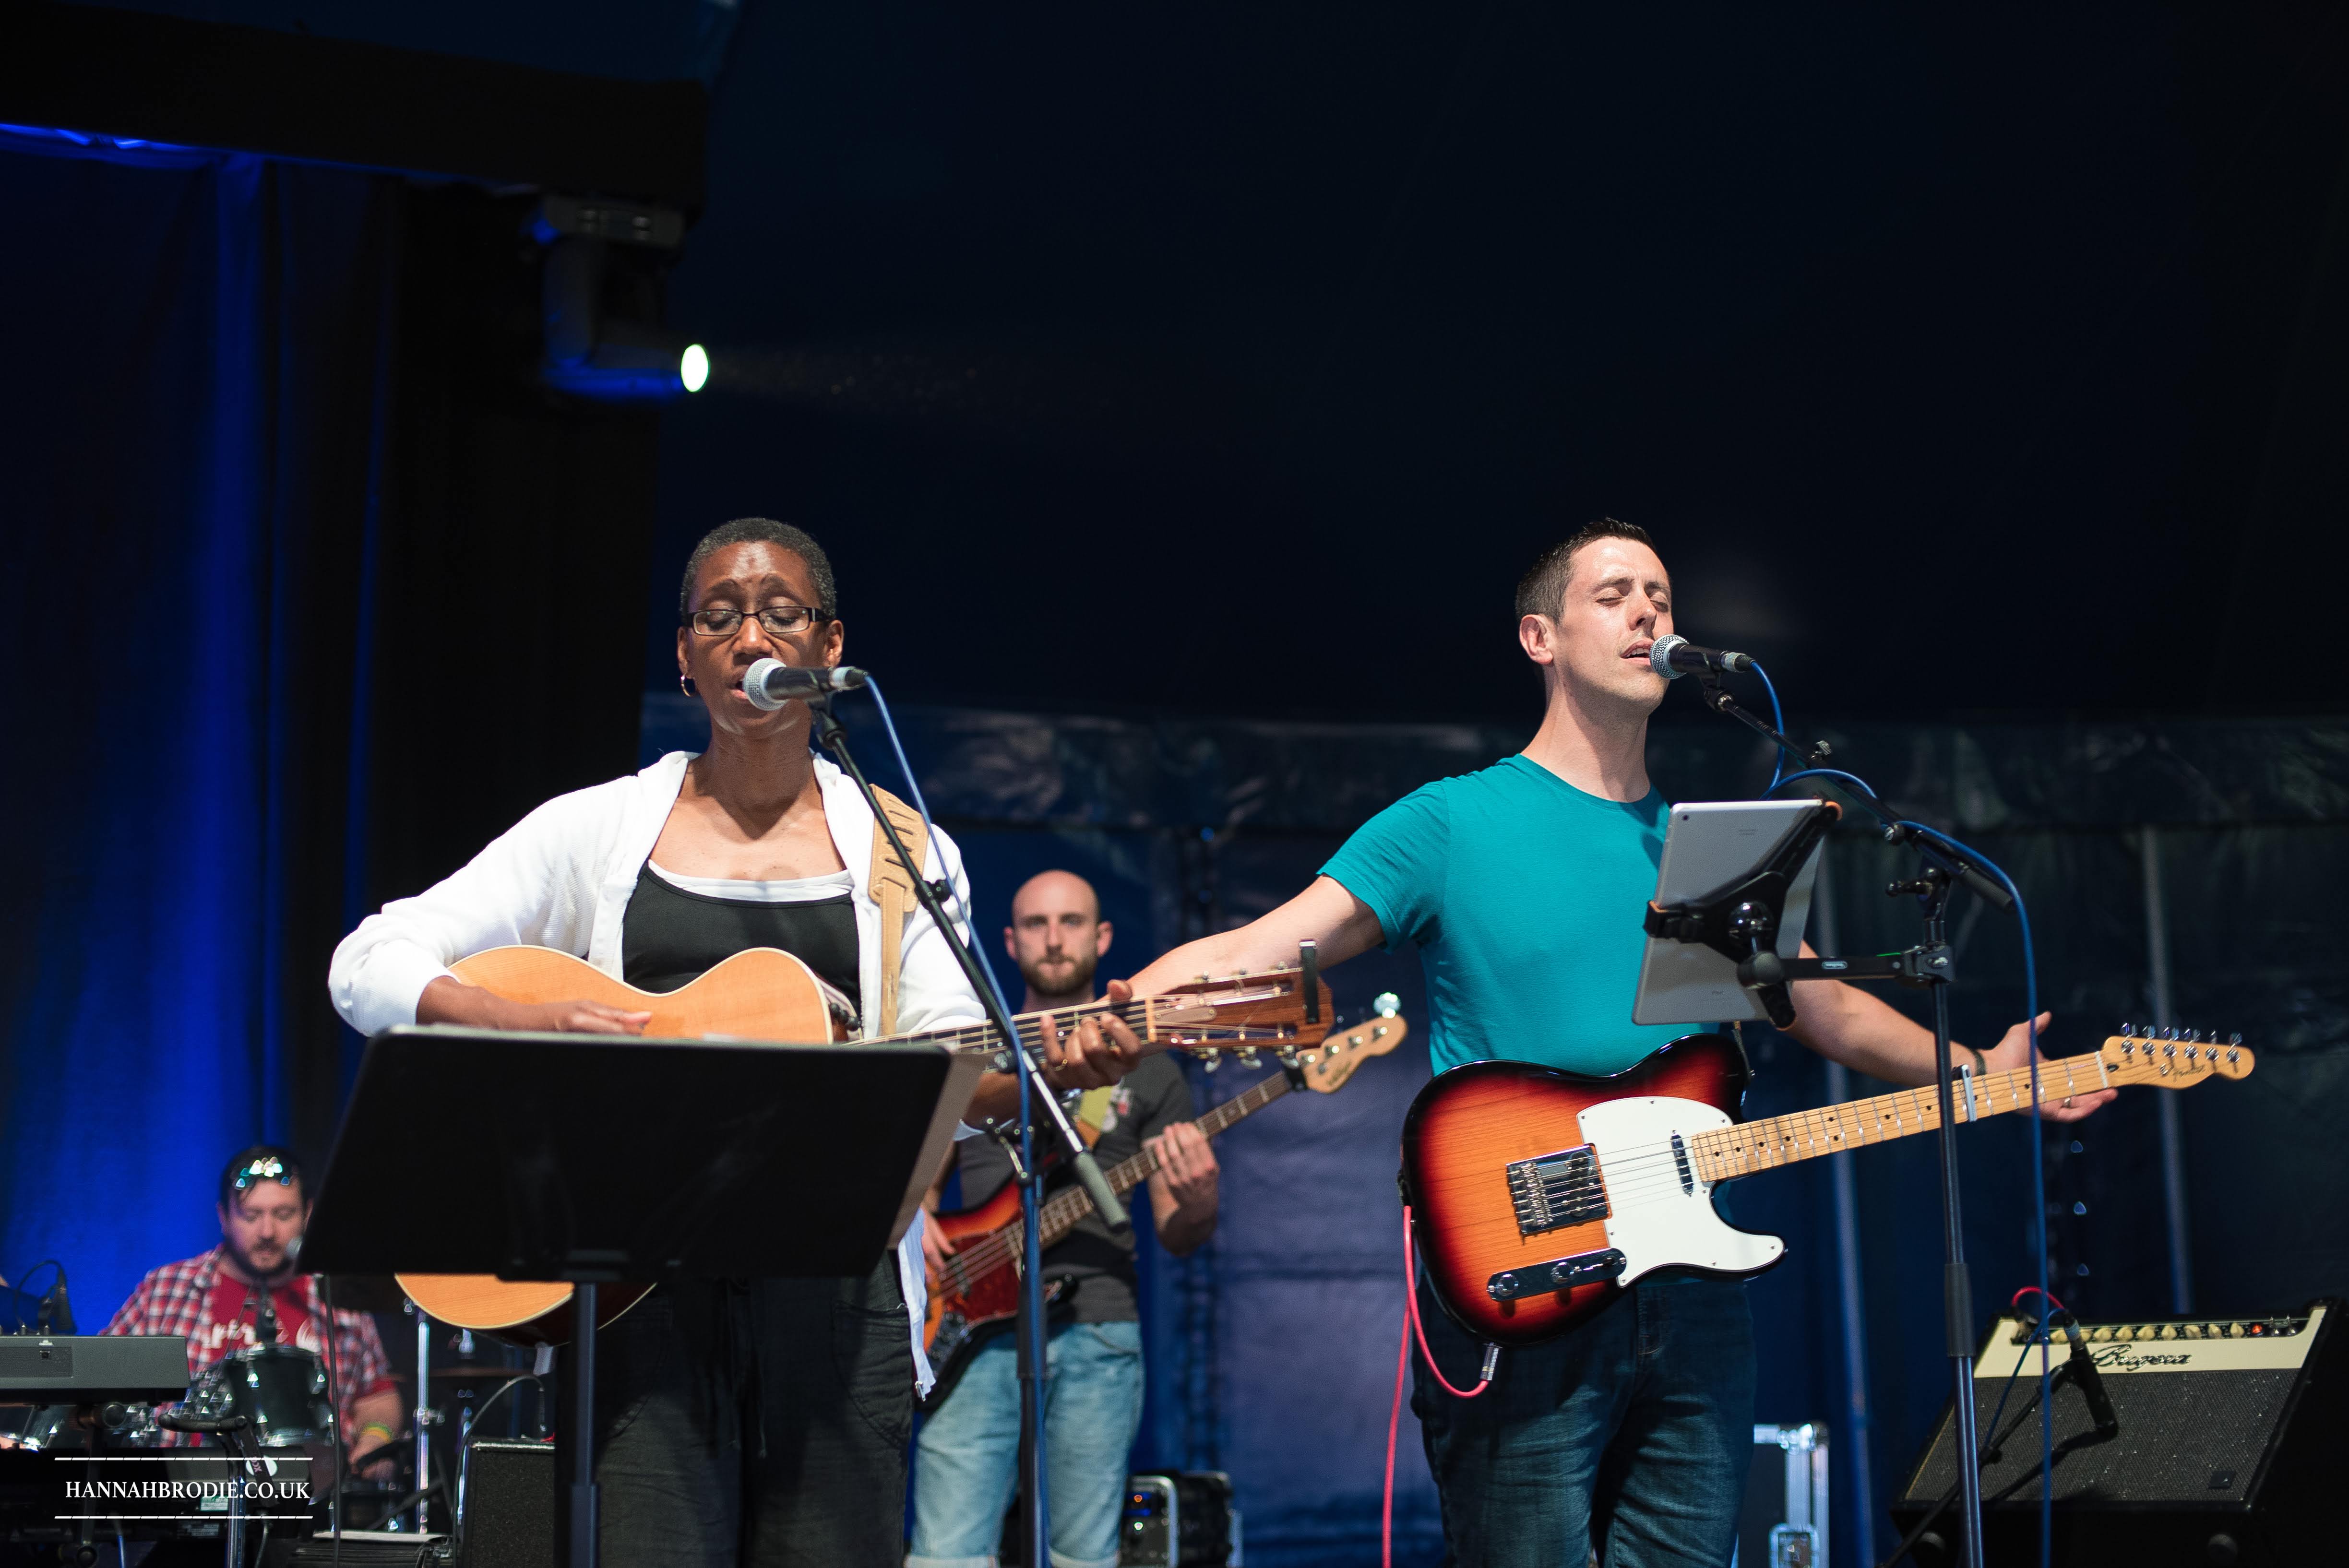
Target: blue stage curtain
(193, 417)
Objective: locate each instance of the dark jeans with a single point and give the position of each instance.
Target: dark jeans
(1632, 1432)
(762, 1423)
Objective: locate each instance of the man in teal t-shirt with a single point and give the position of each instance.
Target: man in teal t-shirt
(1518, 888)
(1520, 885)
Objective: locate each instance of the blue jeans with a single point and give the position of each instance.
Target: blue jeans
(966, 1459)
(1633, 1431)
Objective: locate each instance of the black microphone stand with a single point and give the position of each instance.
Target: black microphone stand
(1086, 1168)
(1710, 692)
(1741, 922)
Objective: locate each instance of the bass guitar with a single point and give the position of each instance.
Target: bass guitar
(1537, 1195)
(979, 1291)
(765, 994)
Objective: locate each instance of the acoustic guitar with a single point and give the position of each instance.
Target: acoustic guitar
(765, 994)
(978, 1290)
(1537, 1195)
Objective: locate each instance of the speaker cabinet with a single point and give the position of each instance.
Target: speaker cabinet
(511, 1500)
(2231, 1432)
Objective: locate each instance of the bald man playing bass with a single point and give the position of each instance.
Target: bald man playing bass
(966, 1459)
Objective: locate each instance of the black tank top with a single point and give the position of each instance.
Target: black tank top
(671, 937)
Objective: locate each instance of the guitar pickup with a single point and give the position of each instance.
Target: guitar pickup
(1551, 1192)
(1564, 1273)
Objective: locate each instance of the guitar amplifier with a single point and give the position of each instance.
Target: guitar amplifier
(2231, 1432)
(510, 1502)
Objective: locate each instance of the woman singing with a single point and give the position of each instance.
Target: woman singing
(763, 1422)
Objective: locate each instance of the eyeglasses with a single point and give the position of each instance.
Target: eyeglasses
(779, 620)
(267, 1169)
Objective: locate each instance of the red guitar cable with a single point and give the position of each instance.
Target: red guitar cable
(1412, 1330)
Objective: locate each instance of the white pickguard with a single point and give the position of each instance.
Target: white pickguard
(1654, 1222)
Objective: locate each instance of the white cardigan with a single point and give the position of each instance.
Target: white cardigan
(562, 878)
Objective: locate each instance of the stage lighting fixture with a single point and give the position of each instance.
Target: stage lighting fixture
(601, 297)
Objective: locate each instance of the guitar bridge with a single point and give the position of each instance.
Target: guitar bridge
(1563, 1273)
(1550, 1191)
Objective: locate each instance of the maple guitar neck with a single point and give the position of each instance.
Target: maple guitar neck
(1747, 1147)
(1059, 1215)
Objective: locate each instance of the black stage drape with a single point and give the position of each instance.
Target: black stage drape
(311, 590)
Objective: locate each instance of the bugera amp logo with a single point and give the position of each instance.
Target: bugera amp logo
(2129, 1359)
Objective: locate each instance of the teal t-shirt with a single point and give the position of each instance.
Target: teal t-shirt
(1524, 896)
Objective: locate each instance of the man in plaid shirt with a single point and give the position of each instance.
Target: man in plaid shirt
(215, 1299)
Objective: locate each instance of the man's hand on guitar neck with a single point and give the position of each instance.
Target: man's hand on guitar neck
(2015, 1051)
(1095, 1054)
(449, 1000)
(1846, 1024)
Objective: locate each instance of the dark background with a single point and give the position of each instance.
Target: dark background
(1180, 391)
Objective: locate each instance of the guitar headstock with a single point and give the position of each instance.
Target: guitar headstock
(2174, 1058)
(1328, 1065)
(1260, 1011)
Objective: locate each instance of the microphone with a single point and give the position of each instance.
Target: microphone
(770, 683)
(2083, 1368)
(265, 1318)
(1674, 657)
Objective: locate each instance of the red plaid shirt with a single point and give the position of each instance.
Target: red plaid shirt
(176, 1298)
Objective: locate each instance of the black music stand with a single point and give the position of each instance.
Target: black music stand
(619, 1158)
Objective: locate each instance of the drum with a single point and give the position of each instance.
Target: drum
(280, 1389)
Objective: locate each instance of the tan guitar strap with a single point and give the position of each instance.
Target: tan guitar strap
(893, 889)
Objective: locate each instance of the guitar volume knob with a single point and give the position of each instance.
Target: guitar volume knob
(1501, 1286)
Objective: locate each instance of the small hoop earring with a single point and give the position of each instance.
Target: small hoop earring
(685, 684)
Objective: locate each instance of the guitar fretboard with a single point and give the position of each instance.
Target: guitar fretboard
(987, 1037)
(1752, 1146)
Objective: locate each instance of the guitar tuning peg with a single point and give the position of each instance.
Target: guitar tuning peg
(1210, 1060)
(2192, 1035)
(2234, 1039)
(2126, 1030)
(1248, 1056)
(1386, 1003)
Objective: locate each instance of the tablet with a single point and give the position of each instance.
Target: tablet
(1709, 847)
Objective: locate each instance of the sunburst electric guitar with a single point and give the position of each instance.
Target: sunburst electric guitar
(980, 1287)
(1537, 1195)
(765, 994)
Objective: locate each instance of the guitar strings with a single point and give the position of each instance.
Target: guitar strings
(1006, 1240)
(1030, 1026)
(999, 1247)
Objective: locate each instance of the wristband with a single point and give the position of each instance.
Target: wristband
(375, 1427)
